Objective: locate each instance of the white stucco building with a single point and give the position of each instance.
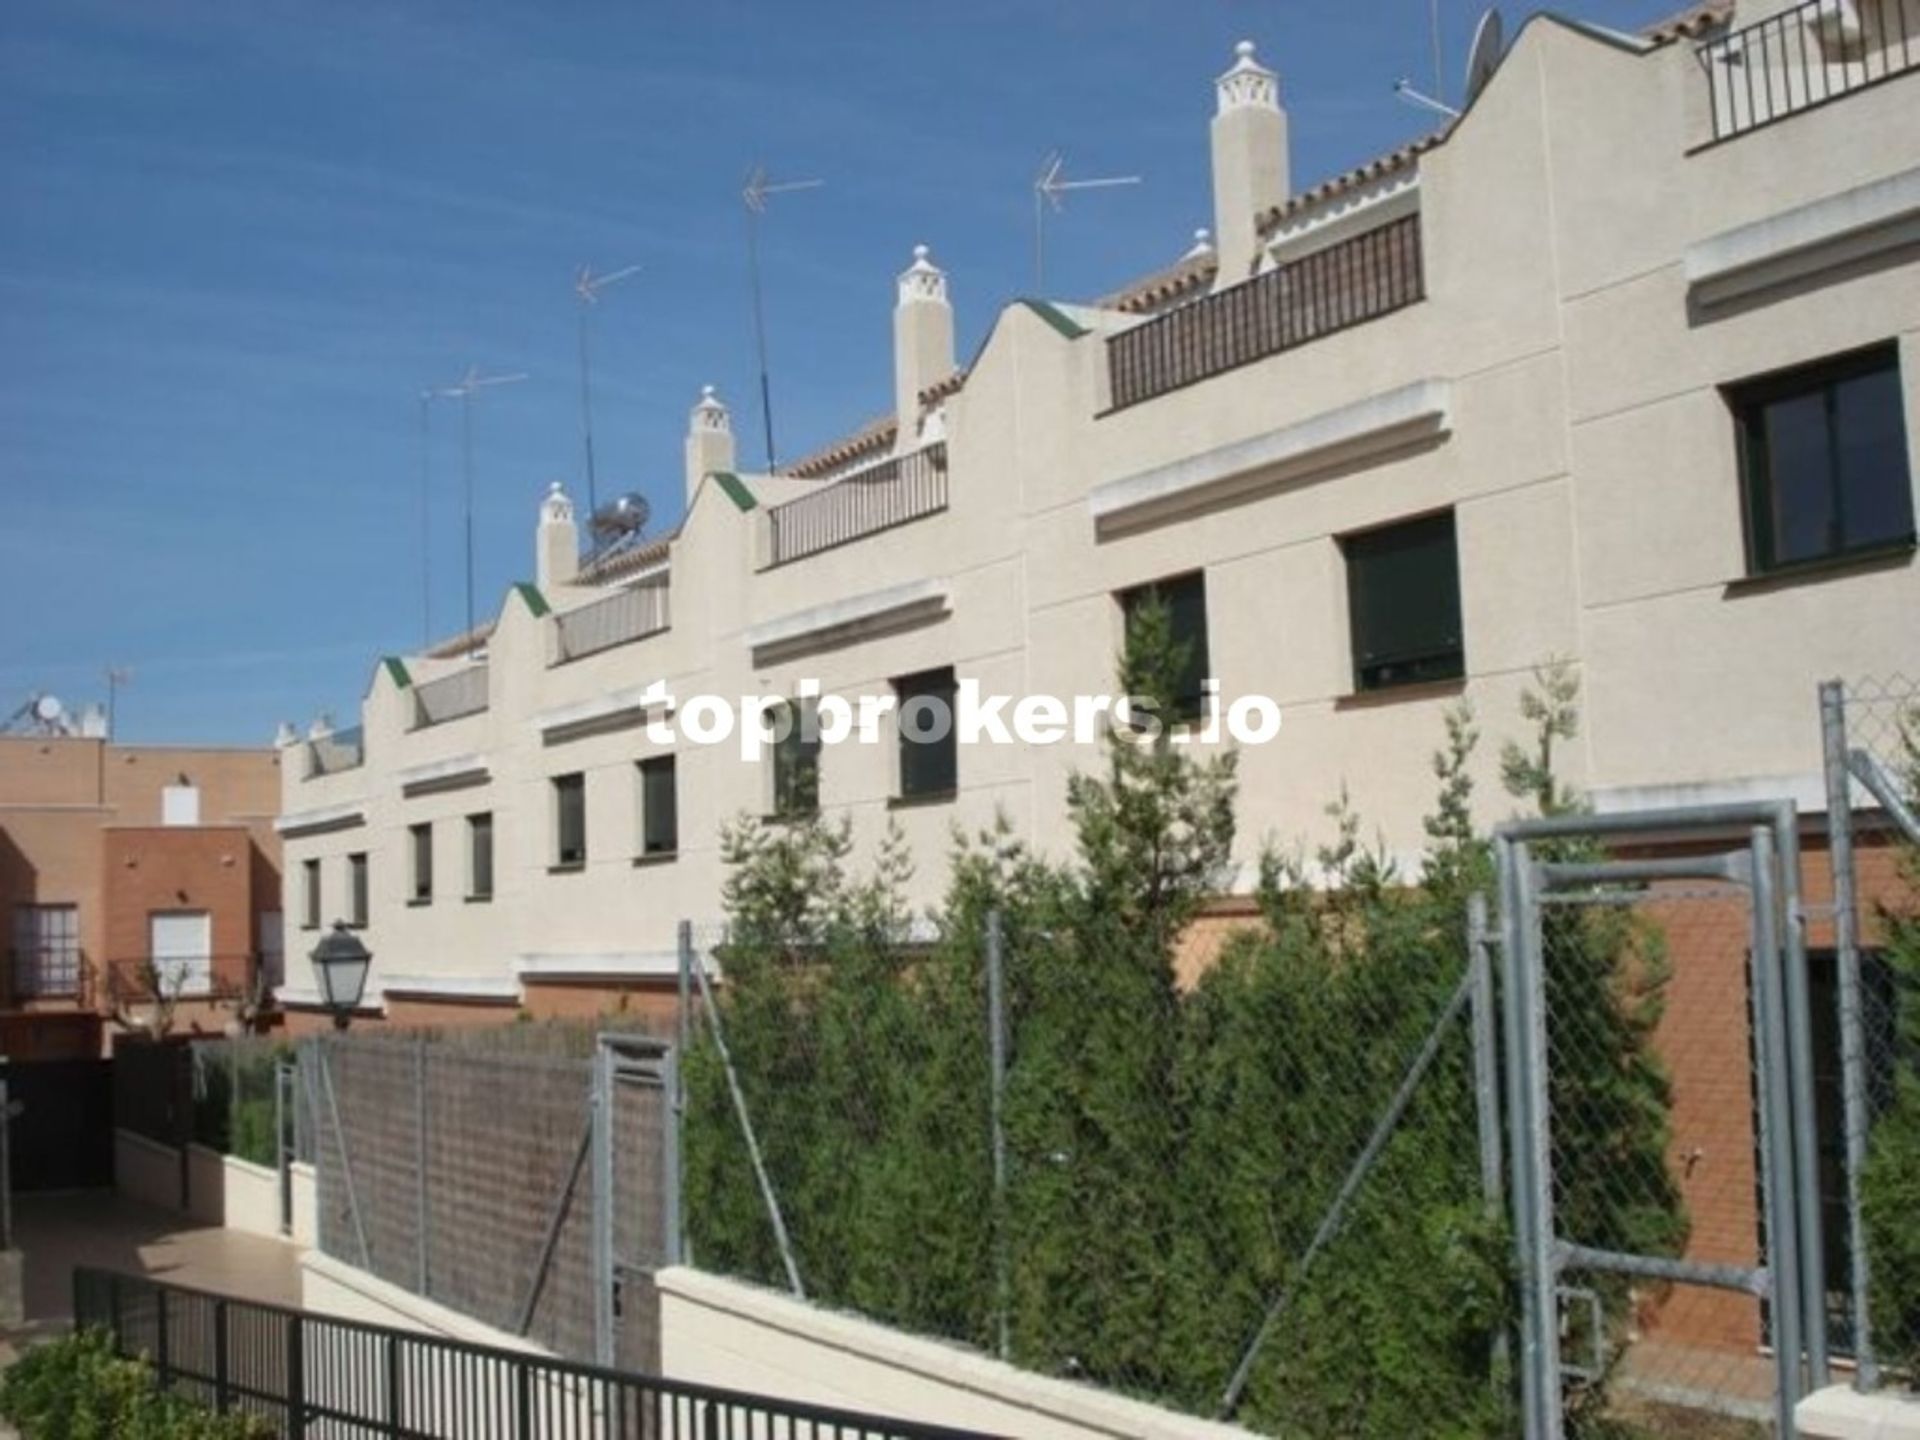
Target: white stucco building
(1623, 367)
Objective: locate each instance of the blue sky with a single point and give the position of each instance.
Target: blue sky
(237, 240)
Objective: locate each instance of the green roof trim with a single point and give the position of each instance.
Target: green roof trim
(735, 489)
(1057, 318)
(397, 668)
(536, 602)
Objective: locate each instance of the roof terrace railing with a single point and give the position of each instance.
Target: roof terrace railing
(332, 753)
(907, 487)
(1804, 57)
(1348, 283)
(626, 615)
(464, 692)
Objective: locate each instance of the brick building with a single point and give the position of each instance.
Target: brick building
(133, 876)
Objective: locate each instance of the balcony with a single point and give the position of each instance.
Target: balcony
(462, 693)
(907, 487)
(149, 980)
(1373, 274)
(621, 618)
(47, 972)
(1804, 57)
(341, 750)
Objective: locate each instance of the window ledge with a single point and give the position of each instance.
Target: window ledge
(567, 867)
(656, 857)
(916, 802)
(789, 817)
(419, 902)
(1827, 567)
(486, 899)
(1394, 694)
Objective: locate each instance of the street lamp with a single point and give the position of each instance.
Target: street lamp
(340, 964)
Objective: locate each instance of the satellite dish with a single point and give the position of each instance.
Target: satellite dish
(1489, 41)
(47, 709)
(619, 519)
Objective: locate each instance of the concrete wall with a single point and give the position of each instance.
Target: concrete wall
(146, 1171)
(721, 1332)
(221, 1189)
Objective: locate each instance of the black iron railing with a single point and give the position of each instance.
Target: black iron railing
(317, 1374)
(891, 493)
(1346, 284)
(1806, 56)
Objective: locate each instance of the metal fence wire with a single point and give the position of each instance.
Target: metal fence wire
(1864, 955)
(456, 1166)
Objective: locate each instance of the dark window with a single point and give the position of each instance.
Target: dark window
(357, 889)
(310, 894)
(659, 807)
(420, 841)
(480, 856)
(1184, 598)
(929, 751)
(796, 761)
(570, 819)
(1403, 604)
(46, 950)
(1824, 452)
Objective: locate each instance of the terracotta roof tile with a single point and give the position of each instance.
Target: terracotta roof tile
(1374, 169)
(625, 562)
(875, 435)
(1186, 275)
(1690, 23)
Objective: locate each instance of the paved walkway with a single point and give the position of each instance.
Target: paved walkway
(57, 1232)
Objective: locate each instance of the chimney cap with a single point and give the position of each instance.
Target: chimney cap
(922, 280)
(1202, 240)
(1247, 83)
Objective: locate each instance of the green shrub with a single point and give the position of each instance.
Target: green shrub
(76, 1388)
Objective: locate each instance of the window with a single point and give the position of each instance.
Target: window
(569, 821)
(357, 890)
(46, 950)
(420, 845)
(310, 894)
(659, 807)
(180, 945)
(1403, 604)
(796, 761)
(1824, 454)
(1184, 599)
(480, 856)
(180, 804)
(929, 760)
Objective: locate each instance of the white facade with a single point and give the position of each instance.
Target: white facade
(1594, 269)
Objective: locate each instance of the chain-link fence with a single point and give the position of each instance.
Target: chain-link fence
(1274, 1195)
(236, 1101)
(1864, 955)
(455, 1165)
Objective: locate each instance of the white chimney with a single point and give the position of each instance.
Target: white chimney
(1250, 167)
(922, 342)
(557, 550)
(709, 440)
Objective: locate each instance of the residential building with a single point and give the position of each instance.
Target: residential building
(135, 880)
(1620, 368)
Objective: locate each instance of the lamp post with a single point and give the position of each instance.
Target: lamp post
(340, 964)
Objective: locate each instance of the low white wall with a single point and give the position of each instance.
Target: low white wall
(306, 1206)
(721, 1332)
(1838, 1413)
(226, 1190)
(145, 1170)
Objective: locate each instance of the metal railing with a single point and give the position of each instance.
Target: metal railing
(907, 487)
(1803, 57)
(317, 1374)
(142, 979)
(626, 615)
(341, 750)
(47, 974)
(464, 692)
(1373, 274)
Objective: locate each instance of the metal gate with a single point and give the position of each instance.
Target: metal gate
(61, 1125)
(1660, 1108)
(636, 1194)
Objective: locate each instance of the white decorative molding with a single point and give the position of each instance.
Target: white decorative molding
(1854, 225)
(923, 280)
(1379, 425)
(443, 772)
(841, 619)
(1247, 84)
(325, 817)
(1808, 792)
(451, 987)
(614, 703)
(647, 964)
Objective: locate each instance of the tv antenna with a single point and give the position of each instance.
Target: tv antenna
(426, 399)
(1404, 88)
(1050, 190)
(464, 390)
(586, 288)
(755, 193)
(117, 675)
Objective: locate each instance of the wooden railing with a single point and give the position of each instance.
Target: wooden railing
(1346, 284)
(1806, 56)
(631, 614)
(907, 487)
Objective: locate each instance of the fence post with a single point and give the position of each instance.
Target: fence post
(600, 1121)
(422, 1238)
(222, 1402)
(393, 1385)
(346, 1165)
(161, 1349)
(1776, 1107)
(1486, 1072)
(997, 1081)
(1539, 1402)
(670, 1161)
(682, 1044)
(296, 1379)
(523, 1400)
(1853, 1060)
